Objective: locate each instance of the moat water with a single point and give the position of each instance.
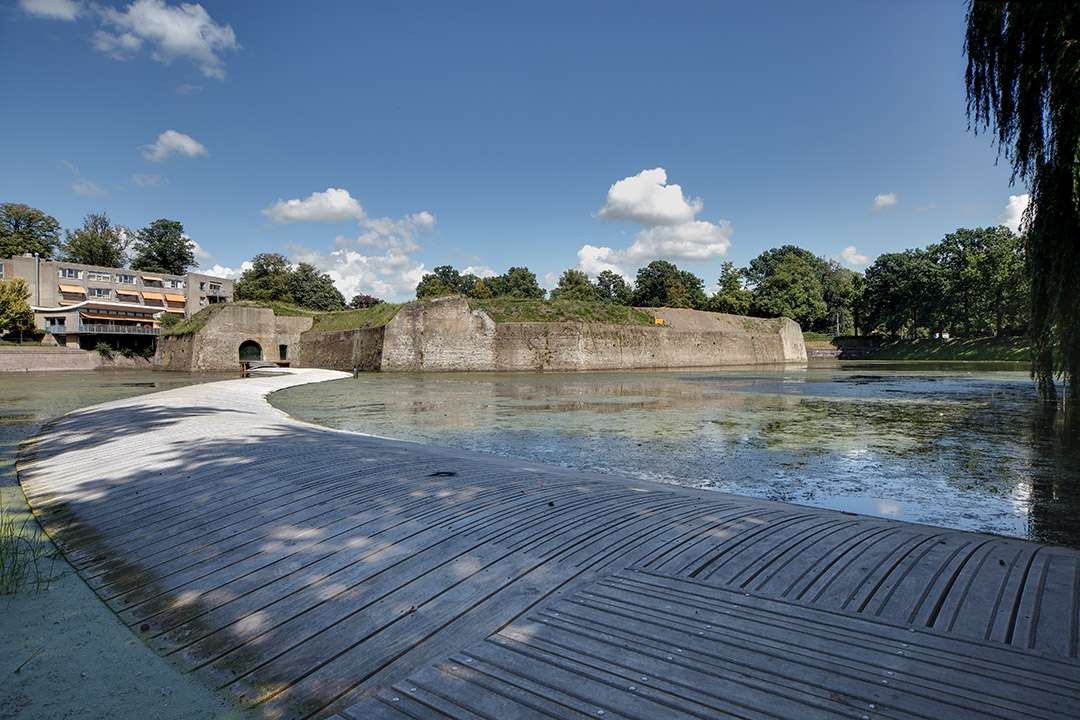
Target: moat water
(961, 445)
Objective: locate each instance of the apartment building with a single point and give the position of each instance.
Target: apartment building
(75, 302)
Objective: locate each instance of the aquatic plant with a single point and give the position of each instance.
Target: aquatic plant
(26, 560)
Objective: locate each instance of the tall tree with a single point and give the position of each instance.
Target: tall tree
(97, 242)
(312, 289)
(787, 282)
(731, 295)
(15, 311)
(517, 282)
(24, 229)
(362, 301)
(574, 285)
(611, 287)
(904, 293)
(163, 247)
(267, 279)
(1023, 80)
(443, 280)
(663, 284)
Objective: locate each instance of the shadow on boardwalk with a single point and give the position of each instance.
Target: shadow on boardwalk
(308, 571)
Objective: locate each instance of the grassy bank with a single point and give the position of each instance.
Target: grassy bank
(503, 310)
(990, 349)
(372, 317)
(978, 349)
(195, 323)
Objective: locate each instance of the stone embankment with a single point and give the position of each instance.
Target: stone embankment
(447, 335)
(39, 358)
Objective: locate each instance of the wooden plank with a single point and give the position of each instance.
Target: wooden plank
(319, 573)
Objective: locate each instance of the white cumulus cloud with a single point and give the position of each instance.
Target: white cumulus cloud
(184, 31)
(647, 199)
(226, 272)
(171, 143)
(594, 260)
(480, 271)
(378, 261)
(851, 257)
(669, 226)
(52, 9)
(884, 200)
(330, 205)
(1012, 216)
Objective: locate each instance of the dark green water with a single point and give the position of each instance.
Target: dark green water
(964, 446)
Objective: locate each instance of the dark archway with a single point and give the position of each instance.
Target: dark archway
(250, 351)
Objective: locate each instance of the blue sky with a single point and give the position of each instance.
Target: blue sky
(496, 134)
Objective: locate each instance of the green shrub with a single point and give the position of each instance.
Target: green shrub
(104, 349)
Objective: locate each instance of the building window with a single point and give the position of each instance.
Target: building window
(1, 271)
(101, 276)
(215, 289)
(55, 322)
(99, 292)
(126, 279)
(69, 273)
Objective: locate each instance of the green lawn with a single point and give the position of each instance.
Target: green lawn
(1008, 349)
(372, 317)
(983, 349)
(504, 310)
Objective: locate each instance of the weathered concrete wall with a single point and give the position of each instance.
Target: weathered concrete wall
(588, 346)
(217, 346)
(443, 334)
(446, 335)
(342, 350)
(40, 359)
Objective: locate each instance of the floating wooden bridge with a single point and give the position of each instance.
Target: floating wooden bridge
(314, 573)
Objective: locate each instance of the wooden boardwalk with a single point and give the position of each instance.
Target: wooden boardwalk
(316, 573)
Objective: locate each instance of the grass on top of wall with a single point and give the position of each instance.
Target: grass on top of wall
(506, 310)
(372, 317)
(195, 323)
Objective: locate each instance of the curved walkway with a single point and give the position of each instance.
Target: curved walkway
(315, 572)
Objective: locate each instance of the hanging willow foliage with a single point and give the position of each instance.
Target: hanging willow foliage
(1023, 80)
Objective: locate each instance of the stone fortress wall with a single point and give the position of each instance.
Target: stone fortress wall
(446, 335)
(217, 345)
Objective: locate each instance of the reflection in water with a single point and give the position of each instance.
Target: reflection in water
(944, 445)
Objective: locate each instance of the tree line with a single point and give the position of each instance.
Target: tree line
(161, 246)
(970, 284)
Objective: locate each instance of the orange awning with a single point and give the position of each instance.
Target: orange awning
(95, 316)
(152, 295)
(175, 298)
(155, 278)
(133, 293)
(72, 289)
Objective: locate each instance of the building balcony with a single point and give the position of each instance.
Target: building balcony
(82, 328)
